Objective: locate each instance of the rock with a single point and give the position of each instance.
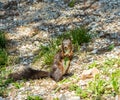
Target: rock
(62, 97)
(89, 73)
(1, 98)
(2, 13)
(74, 98)
(11, 5)
(68, 97)
(94, 51)
(117, 97)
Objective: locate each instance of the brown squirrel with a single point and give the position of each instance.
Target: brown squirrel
(59, 67)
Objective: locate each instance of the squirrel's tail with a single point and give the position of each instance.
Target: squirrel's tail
(28, 73)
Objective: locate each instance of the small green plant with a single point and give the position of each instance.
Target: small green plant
(18, 85)
(3, 53)
(2, 40)
(3, 57)
(73, 87)
(80, 35)
(78, 90)
(3, 81)
(71, 3)
(109, 62)
(111, 47)
(56, 99)
(34, 98)
(3, 91)
(92, 65)
(97, 87)
(47, 52)
(108, 65)
(115, 81)
(3, 86)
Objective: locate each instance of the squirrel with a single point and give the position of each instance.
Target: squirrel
(59, 67)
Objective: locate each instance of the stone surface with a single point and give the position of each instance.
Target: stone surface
(86, 74)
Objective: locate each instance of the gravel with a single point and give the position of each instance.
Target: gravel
(24, 18)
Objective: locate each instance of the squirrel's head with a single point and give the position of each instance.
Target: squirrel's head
(66, 46)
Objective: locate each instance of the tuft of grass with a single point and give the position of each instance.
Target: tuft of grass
(47, 52)
(93, 65)
(97, 86)
(78, 90)
(56, 99)
(3, 57)
(3, 81)
(3, 53)
(72, 3)
(73, 87)
(77, 35)
(111, 47)
(3, 62)
(2, 40)
(80, 35)
(3, 85)
(34, 98)
(18, 85)
(115, 81)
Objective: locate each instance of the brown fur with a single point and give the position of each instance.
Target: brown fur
(57, 69)
(28, 73)
(67, 52)
(67, 46)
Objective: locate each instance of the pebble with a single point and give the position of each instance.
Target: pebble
(65, 97)
(62, 97)
(74, 98)
(2, 98)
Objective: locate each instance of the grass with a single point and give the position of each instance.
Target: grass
(95, 89)
(34, 98)
(111, 47)
(99, 88)
(78, 90)
(47, 52)
(3, 86)
(3, 63)
(77, 35)
(3, 57)
(18, 85)
(3, 53)
(80, 35)
(72, 3)
(2, 40)
(115, 81)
